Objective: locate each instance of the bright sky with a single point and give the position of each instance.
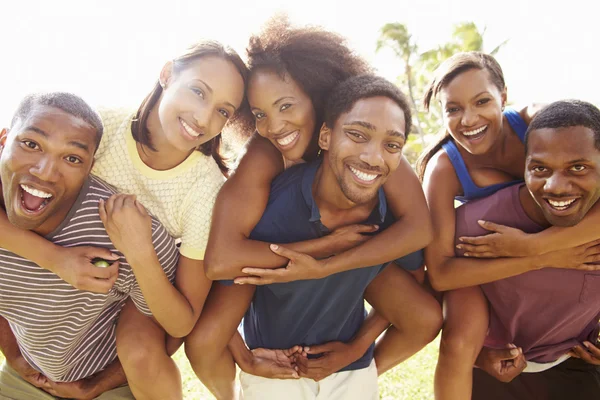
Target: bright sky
(111, 51)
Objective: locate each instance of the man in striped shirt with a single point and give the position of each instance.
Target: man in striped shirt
(58, 340)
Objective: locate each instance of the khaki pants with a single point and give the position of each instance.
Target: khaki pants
(13, 387)
(360, 384)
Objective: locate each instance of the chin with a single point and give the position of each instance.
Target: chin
(564, 222)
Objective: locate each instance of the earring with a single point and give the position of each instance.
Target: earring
(503, 107)
(319, 152)
(162, 85)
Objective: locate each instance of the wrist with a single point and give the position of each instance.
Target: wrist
(141, 255)
(53, 259)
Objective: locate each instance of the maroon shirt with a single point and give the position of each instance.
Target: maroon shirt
(546, 311)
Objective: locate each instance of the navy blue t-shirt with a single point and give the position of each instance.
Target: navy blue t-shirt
(310, 312)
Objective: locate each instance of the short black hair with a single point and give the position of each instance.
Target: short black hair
(347, 93)
(67, 102)
(565, 114)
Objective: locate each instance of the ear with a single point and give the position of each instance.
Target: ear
(166, 73)
(324, 137)
(504, 96)
(3, 137)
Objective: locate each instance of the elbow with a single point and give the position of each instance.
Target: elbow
(215, 267)
(181, 331)
(437, 281)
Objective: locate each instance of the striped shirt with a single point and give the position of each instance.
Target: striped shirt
(65, 333)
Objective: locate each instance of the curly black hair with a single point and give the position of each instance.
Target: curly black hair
(346, 94)
(565, 114)
(317, 61)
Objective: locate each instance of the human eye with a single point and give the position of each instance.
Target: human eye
(284, 106)
(30, 144)
(355, 135)
(394, 147)
(259, 115)
(74, 160)
(451, 110)
(224, 113)
(483, 101)
(199, 92)
(538, 169)
(578, 168)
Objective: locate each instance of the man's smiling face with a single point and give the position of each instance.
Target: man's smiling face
(44, 161)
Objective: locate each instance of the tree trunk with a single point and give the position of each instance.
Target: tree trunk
(414, 103)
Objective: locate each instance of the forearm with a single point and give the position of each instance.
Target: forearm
(373, 326)
(402, 238)
(170, 307)
(27, 243)
(458, 272)
(240, 352)
(243, 253)
(560, 238)
(8, 342)
(109, 378)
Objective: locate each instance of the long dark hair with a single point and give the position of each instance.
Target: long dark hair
(199, 50)
(317, 60)
(445, 73)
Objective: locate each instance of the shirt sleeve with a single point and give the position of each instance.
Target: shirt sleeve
(197, 215)
(168, 257)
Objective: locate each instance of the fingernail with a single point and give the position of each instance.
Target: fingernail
(586, 344)
(461, 239)
(376, 226)
(481, 221)
(459, 246)
(466, 255)
(274, 247)
(514, 352)
(307, 349)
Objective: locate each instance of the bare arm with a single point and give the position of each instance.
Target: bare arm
(412, 230)
(73, 265)
(239, 206)
(447, 271)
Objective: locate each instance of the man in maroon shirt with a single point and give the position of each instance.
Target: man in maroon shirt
(546, 312)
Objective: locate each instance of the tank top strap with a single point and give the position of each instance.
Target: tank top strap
(460, 167)
(517, 123)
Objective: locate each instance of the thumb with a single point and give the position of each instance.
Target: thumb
(362, 228)
(490, 226)
(102, 211)
(505, 354)
(140, 207)
(318, 348)
(100, 252)
(284, 252)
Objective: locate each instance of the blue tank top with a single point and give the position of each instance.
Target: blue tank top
(470, 190)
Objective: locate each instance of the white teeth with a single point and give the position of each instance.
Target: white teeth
(189, 129)
(363, 176)
(284, 141)
(561, 205)
(35, 192)
(475, 132)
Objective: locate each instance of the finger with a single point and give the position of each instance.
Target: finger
(471, 248)
(486, 254)
(129, 201)
(141, 208)
(285, 252)
(263, 272)
(102, 211)
(251, 280)
(504, 354)
(492, 227)
(584, 355)
(588, 267)
(595, 351)
(118, 203)
(103, 273)
(110, 204)
(475, 240)
(97, 285)
(318, 348)
(363, 228)
(100, 252)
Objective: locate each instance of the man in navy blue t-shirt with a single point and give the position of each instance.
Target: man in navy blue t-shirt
(369, 119)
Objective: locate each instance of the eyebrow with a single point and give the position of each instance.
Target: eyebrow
(474, 97)
(39, 131)
(279, 100)
(210, 90)
(579, 160)
(372, 127)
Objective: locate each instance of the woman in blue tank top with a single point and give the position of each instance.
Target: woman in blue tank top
(481, 152)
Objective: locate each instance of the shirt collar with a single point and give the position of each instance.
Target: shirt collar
(377, 216)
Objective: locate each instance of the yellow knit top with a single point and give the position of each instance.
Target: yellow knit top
(182, 198)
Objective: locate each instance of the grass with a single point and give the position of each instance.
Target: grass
(411, 380)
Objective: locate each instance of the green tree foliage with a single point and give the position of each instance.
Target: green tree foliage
(418, 68)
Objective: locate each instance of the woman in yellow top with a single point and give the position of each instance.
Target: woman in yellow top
(165, 155)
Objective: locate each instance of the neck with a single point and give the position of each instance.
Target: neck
(165, 156)
(532, 209)
(335, 208)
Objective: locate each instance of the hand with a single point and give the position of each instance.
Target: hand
(503, 364)
(335, 356)
(27, 372)
(274, 364)
(503, 242)
(74, 266)
(591, 353)
(78, 390)
(127, 223)
(300, 267)
(581, 257)
(348, 237)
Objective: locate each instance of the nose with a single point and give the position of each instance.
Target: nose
(275, 125)
(469, 117)
(557, 184)
(373, 155)
(46, 169)
(203, 117)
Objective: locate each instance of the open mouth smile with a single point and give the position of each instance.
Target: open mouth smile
(33, 201)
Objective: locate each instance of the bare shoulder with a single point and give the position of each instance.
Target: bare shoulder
(441, 173)
(261, 160)
(529, 111)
